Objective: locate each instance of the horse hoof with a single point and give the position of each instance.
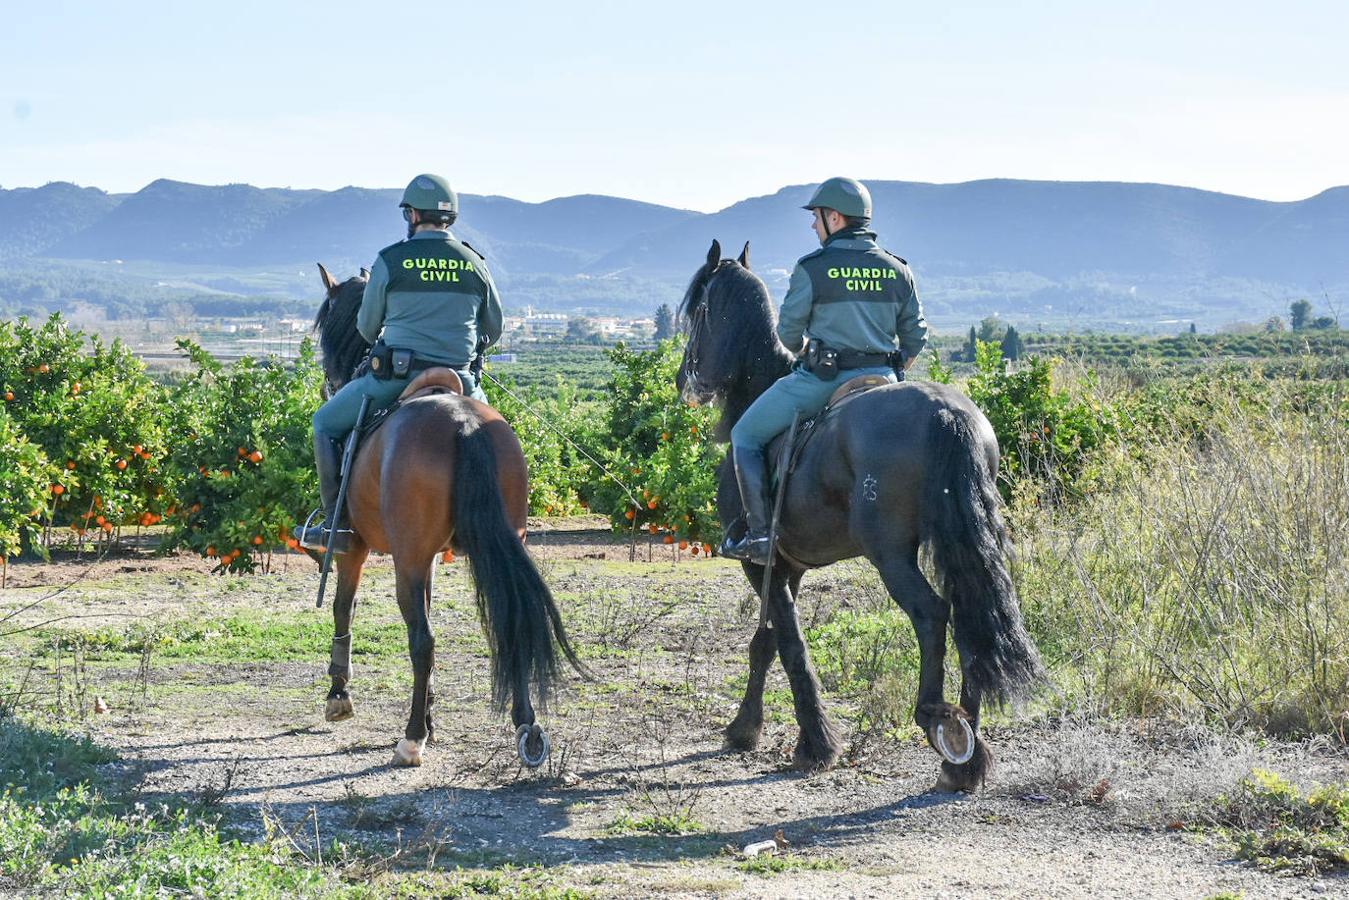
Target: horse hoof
(814, 759)
(955, 745)
(743, 737)
(337, 709)
(408, 753)
(532, 744)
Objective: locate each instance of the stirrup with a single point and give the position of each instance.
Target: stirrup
(315, 537)
(750, 548)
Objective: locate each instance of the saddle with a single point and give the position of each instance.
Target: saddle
(806, 428)
(435, 380)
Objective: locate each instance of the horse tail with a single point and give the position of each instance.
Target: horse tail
(969, 543)
(519, 617)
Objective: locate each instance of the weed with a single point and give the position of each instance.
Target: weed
(769, 864)
(675, 823)
(1279, 827)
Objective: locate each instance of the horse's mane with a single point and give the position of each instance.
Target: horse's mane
(342, 345)
(742, 310)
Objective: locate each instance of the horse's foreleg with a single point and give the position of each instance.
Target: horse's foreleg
(818, 746)
(746, 728)
(349, 566)
(431, 676)
(412, 591)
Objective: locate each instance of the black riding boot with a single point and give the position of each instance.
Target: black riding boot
(751, 474)
(328, 462)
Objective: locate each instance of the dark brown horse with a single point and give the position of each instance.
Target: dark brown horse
(898, 467)
(444, 472)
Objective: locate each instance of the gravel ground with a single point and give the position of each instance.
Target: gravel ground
(1075, 807)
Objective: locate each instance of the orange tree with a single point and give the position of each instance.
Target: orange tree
(558, 472)
(26, 478)
(242, 455)
(661, 447)
(96, 415)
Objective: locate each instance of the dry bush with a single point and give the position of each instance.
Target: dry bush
(1210, 578)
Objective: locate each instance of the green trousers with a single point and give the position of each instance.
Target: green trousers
(338, 416)
(797, 391)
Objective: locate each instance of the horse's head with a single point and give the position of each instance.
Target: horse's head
(728, 317)
(342, 345)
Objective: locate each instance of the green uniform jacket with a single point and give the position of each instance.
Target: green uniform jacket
(433, 295)
(852, 295)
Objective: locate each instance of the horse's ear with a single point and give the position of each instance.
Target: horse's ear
(714, 253)
(365, 274)
(744, 256)
(328, 281)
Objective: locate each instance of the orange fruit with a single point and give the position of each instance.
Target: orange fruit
(665, 435)
(695, 550)
(693, 429)
(137, 449)
(653, 528)
(210, 551)
(224, 473)
(98, 502)
(58, 490)
(630, 515)
(196, 507)
(257, 540)
(669, 539)
(100, 520)
(707, 548)
(70, 464)
(256, 456)
(9, 395)
(121, 464)
(106, 526)
(684, 545)
(44, 368)
(243, 451)
(651, 504)
(292, 543)
(75, 388)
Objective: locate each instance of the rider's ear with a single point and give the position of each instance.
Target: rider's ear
(365, 273)
(744, 256)
(714, 253)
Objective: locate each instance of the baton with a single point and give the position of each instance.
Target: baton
(784, 459)
(348, 453)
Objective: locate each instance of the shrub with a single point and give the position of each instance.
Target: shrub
(559, 474)
(26, 480)
(661, 447)
(1209, 577)
(243, 455)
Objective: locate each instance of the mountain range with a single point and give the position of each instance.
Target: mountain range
(1097, 252)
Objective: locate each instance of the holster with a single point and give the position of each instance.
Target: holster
(387, 362)
(821, 360)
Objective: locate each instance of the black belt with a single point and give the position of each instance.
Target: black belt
(855, 359)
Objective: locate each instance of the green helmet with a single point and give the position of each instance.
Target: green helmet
(431, 192)
(847, 196)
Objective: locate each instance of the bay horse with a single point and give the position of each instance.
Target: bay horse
(443, 472)
(896, 468)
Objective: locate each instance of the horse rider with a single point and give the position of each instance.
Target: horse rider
(850, 310)
(430, 301)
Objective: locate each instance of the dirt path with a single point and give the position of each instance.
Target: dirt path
(639, 744)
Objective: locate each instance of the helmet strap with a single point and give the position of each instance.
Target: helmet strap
(824, 223)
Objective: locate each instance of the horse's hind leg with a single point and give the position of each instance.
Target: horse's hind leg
(412, 587)
(746, 728)
(349, 566)
(930, 613)
(818, 746)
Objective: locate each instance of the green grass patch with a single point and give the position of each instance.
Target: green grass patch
(237, 638)
(1280, 828)
(767, 865)
(676, 823)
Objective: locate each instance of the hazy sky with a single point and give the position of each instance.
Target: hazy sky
(690, 104)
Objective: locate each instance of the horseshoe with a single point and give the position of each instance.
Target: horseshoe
(939, 741)
(522, 736)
